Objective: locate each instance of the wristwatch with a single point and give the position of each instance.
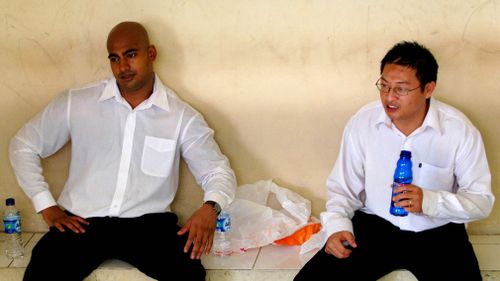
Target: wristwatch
(215, 206)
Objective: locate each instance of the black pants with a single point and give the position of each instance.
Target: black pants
(442, 253)
(149, 242)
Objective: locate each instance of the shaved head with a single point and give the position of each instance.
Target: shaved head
(131, 59)
(129, 29)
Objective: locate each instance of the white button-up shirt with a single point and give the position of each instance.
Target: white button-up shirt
(449, 164)
(124, 161)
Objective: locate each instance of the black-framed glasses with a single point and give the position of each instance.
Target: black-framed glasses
(399, 91)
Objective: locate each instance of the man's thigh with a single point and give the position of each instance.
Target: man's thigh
(371, 259)
(65, 256)
(324, 266)
(152, 245)
(445, 253)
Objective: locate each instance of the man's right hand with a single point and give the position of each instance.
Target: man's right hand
(340, 244)
(56, 217)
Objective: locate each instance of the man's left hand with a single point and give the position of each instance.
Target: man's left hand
(201, 227)
(410, 197)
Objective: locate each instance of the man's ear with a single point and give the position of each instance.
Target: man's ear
(429, 89)
(152, 52)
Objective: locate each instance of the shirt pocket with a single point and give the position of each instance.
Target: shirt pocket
(157, 156)
(435, 178)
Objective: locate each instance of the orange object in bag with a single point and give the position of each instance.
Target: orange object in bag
(300, 236)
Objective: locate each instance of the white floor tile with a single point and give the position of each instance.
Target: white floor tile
(238, 260)
(282, 257)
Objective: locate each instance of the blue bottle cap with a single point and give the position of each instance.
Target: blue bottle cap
(405, 153)
(10, 202)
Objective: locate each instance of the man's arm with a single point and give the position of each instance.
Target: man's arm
(209, 166)
(344, 185)
(215, 176)
(473, 199)
(41, 137)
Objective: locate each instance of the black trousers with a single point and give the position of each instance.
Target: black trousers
(149, 242)
(442, 253)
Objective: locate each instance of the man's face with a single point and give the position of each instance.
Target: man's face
(406, 112)
(131, 62)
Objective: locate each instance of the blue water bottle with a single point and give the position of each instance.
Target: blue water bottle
(12, 228)
(402, 175)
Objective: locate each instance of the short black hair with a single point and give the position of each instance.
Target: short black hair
(416, 56)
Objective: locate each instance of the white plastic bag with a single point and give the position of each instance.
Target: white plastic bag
(316, 241)
(263, 212)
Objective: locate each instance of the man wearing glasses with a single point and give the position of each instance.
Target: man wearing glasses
(451, 183)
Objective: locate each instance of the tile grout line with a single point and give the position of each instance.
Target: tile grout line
(256, 258)
(25, 243)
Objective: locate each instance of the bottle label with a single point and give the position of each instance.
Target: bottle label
(223, 223)
(12, 224)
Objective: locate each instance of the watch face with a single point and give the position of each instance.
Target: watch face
(215, 206)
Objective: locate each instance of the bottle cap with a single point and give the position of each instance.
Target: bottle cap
(405, 153)
(10, 202)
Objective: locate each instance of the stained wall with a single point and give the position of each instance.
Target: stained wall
(277, 80)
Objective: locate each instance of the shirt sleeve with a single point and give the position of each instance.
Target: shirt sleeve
(41, 137)
(473, 198)
(344, 186)
(209, 166)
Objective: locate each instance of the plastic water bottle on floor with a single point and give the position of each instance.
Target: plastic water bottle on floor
(12, 228)
(222, 243)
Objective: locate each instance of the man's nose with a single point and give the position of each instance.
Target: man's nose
(391, 94)
(124, 64)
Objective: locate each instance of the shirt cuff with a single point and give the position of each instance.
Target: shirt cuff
(217, 198)
(430, 202)
(334, 225)
(43, 200)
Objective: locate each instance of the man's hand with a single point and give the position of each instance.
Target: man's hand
(56, 217)
(201, 227)
(340, 244)
(410, 197)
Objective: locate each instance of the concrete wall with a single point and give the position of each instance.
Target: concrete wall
(277, 80)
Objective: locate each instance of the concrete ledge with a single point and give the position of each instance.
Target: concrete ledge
(270, 263)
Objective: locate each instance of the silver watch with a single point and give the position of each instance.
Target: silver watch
(215, 206)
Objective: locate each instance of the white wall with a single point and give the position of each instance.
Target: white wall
(277, 80)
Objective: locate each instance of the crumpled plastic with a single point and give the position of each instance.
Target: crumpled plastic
(264, 212)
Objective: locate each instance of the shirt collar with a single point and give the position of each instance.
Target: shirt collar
(158, 97)
(431, 118)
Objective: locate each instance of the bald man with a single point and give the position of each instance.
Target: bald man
(127, 135)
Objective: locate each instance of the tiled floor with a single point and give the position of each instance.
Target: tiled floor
(281, 257)
(6, 262)
(237, 260)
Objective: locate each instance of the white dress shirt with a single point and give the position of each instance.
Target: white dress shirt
(124, 161)
(449, 164)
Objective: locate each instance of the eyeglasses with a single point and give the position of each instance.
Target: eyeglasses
(399, 91)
